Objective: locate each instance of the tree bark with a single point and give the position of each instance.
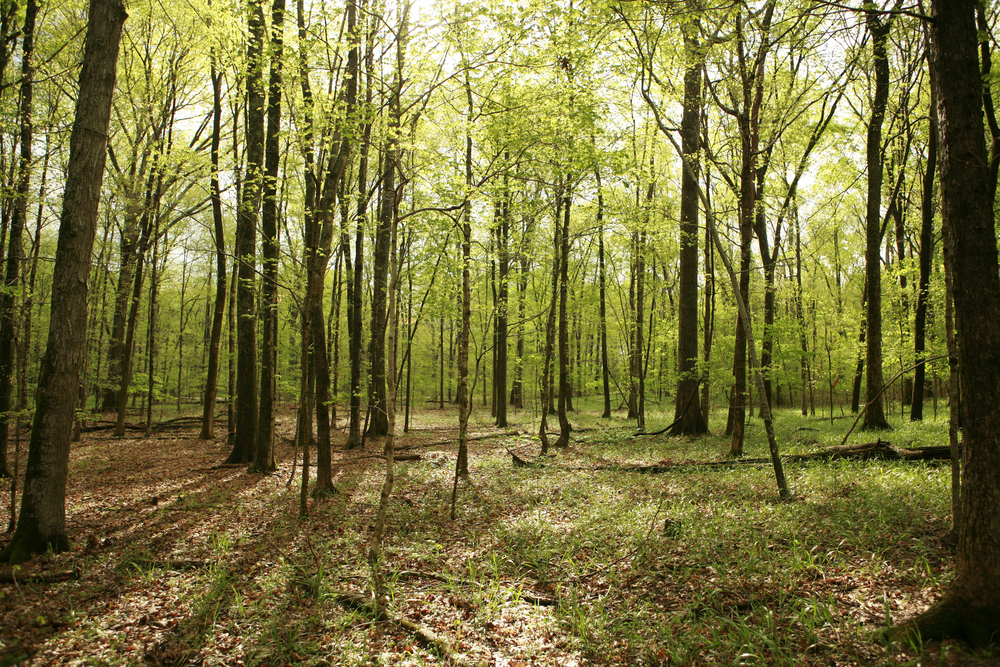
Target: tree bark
(926, 254)
(212, 380)
(550, 331)
(263, 458)
(8, 296)
(970, 608)
(602, 279)
(464, 399)
(503, 303)
(246, 234)
(875, 415)
(687, 408)
(42, 521)
(564, 384)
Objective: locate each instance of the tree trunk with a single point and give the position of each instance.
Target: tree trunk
(246, 233)
(970, 608)
(42, 521)
(212, 381)
(564, 385)
(503, 303)
(8, 296)
(263, 459)
(154, 278)
(688, 417)
(464, 399)
(550, 331)
(875, 414)
(354, 328)
(602, 278)
(379, 425)
(926, 254)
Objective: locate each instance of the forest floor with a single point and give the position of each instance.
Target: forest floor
(178, 562)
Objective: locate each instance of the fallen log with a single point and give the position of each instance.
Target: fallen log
(879, 450)
(454, 441)
(167, 564)
(366, 605)
(13, 577)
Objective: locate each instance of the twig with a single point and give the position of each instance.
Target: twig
(884, 387)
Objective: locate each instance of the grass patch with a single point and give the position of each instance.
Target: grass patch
(565, 563)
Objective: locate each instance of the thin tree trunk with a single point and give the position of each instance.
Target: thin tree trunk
(602, 278)
(875, 413)
(8, 296)
(550, 327)
(464, 399)
(926, 253)
(212, 380)
(154, 277)
(564, 385)
(263, 459)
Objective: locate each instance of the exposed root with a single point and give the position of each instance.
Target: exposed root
(950, 618)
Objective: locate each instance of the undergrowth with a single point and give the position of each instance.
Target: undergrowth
(569, 562)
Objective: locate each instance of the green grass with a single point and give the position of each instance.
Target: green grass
(695, 566)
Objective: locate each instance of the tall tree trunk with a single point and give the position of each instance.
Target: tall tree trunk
(602, 278)
(708, 327)
(154, 278)
(42, 521)
(378, 426)
(231, 366)
(8, 296)
(875, 414)
(212, 380)
(687, 409)
(503, 303)
(737, 405)
(564, 385)
(263, 459)
(246, 233)
(550, 330)
(464, 399)
(517, 386)
(926, 254)
(970, 608)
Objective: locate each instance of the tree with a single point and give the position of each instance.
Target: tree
(42, 521)
(263, 459)
(970, 608)
(245, 445)
(8, 297)
(218, 313)
(687, 409)
(878, 27)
